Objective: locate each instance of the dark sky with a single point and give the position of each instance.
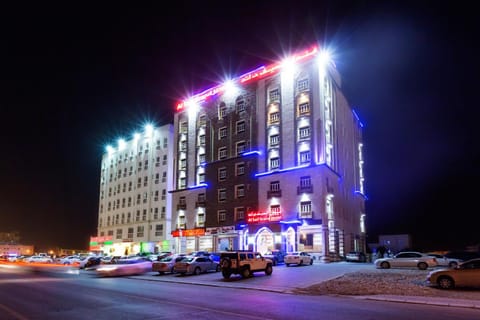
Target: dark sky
(76, 76)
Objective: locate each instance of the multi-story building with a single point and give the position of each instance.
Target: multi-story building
(135, 205)
(272, 159)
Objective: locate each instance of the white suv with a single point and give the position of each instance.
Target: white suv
(244, 263)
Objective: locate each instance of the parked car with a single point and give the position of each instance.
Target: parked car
(277, 256)
(167, 264)
(89, 261)
(466, 274)
(298, 258)
(462, 255)
(444, 261)
(196, 265)
(125, 268)
(39, 259)
(356, 256)
(408, 259)
(70, 260)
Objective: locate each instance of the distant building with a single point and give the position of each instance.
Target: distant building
(274, 161)
(19, 249)
(392, 242)
(135, 206)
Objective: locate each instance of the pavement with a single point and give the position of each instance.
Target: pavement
(303, 278)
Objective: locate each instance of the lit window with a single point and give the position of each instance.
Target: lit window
(159, 230)
(222, 110)
(140, 230)
(275, 209)
(274, 117)
(302, 85)
(201, 140)
(240, 147)
(275, 186)
(304, 132)
(239, 213)
(304, 108)
(183, 129)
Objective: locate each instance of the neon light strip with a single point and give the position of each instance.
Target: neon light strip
(249, 76)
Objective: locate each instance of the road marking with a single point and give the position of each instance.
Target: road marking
(13, 313)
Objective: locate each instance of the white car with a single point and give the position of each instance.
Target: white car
(298, 258)
(70, 260)
(39, 259)
(125, 268)
(443, 261)
(407, 259)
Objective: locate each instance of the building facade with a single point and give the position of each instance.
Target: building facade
(271, 160)
(135, 205)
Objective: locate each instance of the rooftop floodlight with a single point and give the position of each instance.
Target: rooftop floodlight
(288, 65)
(230, 88)
(148, 130)
(192, 107)
(121, 144)
(136, 136)
(110, 149)
(324, 58)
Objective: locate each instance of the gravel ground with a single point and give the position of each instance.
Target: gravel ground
(403, 282)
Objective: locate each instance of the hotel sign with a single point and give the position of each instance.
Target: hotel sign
(262, 217)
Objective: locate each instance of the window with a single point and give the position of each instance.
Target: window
(183, 129)
(139, 198)
(239, 169)
(304, 132)
(140, 230)
(183, 164)
(137, 217)
(181, 222)
(164, 194)
(201, 140)
(155, 197)
(164, 176)
(304, 108)
(274, 163)
(144, 215)
(130, 233)
(274, 140)
(274, 117)
(302, 85)
(239, 191)
(240, 147)
(157, 178)
(274, 95)
(305, 156)
(222, 153)
(164, 161)
(201, 197)
(240, 126)
(201, 219)
(222, 110)
(145, 165)
(305, 181)
(145, 181)
(239, 213)
(201, 158)
(305, 209)
(182, 201)
(157, 162)
(159, 230)
(222, 215)
(222, 174)
(183, 145)
(165, 143)
(222, 195)
(183, 183)
(139, 182)
(275, 209)
(119, 234)
(201, 177)
(222, 133)
(202, 120)
(275, 186)
(240, 106)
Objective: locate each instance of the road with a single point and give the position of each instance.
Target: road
(65, 293)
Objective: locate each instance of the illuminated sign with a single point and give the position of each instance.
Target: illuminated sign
(101, 239)
(219, 230)
(257, 74)
(189, 232)
(260, 217)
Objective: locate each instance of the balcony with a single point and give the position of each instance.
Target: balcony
(274, 193)
(305, 215)
(304, 189)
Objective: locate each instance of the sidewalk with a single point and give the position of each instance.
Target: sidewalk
(436, 301)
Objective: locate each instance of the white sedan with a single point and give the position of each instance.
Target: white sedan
(39, 259)
(298, 258)
(408, 259)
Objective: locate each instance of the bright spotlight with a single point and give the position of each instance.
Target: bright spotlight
(110, 149)
(193, 108)
(324, 58)
(121, 144)
(148, 130)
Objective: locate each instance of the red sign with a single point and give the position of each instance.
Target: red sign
(101, 239)
(259, 217)
(188, 232)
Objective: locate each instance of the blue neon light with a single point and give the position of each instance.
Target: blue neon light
(358, 119)
(252, 152)
(291, 222)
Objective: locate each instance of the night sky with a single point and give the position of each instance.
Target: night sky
(75, 77)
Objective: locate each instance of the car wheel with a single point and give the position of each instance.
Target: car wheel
(225, 263)
(445, 283)
(246, 273)
(422, 266)
(311, 261)
(300, 263)
(268, 270)
(226, 274)
(197, 271)
(385, 265)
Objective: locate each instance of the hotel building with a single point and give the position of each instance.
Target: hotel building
(270, 160)
(135, 205)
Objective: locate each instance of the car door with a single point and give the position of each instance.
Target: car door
(470, 275)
